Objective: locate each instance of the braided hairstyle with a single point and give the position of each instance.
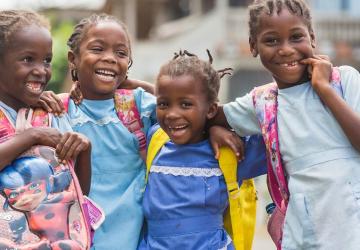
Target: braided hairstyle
(186, 63)
(13, 20)
(270, 7)
(83, 26)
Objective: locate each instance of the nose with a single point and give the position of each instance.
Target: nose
(172, 113)
(39, 69)
(286, 49)
(109, 57)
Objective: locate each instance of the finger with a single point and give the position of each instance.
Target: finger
(324, 57)
(242, 150)
(59, 104)
(215, 148)
(63, 145)
(73, 150)
(309, 61)
(45, 106)
(236, 145)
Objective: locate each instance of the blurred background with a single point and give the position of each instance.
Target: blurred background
(159, 28)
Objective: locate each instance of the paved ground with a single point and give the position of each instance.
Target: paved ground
(262, 240)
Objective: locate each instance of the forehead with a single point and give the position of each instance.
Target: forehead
(107, 31)
(284, 21)
(30, 38)
(181, 85)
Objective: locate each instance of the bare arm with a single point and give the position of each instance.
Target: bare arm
(219, 119)
(16, 145)
(347, 118)
(77, 146)
(83, 170)
(133, 83)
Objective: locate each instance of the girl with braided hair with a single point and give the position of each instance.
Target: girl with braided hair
(185, 197)
(310, 120)
(115, 120)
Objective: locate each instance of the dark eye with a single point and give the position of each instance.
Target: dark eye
(96, 49)
(186, 105)
(161, 105)
(27, 59)
(297, 37)
(271, 41)
(122, 53)
(47, 61)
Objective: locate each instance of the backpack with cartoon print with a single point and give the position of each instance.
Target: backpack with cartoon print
(41, 202)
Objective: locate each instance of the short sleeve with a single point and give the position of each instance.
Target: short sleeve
(240, 114)
(350, 81)
(146, 104)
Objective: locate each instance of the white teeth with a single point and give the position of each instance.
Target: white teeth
(290, 64)
(105, 72)
(34, 86)
(106, 77)
(178, 127)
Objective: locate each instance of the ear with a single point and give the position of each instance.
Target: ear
(253, 48)
(312, 39)
(212, 110)
(71, 59)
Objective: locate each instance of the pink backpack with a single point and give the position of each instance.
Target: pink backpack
(127, 112)
(265, 103)
(42, 205)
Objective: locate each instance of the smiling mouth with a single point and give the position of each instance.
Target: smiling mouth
(289, 64)
(105, 74)
(179, 127)
(36, 87)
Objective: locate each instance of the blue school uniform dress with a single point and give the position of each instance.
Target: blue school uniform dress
(322, 167)
(117, 181)
(186, 196)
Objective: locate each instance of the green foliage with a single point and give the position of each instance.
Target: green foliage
(60, 33)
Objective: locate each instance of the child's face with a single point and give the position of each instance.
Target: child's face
(282, 42)
(103, 60)
(183, 108)
(25, 66)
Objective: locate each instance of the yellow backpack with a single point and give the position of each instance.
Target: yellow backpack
(239, 218)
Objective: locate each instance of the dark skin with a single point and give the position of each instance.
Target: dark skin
(52, 103)
(21, 86)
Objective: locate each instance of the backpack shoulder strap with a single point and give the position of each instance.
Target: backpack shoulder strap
(265, 104)
(129, 115)
(158, 140)
(241, 215)
(7, 128)
(65, 98)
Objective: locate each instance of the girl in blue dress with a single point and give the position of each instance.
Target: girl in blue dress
(99, 58)
(186, 194)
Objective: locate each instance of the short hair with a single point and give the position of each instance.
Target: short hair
(83, 26)
(13, 20)
(269, 7)
(185, 63)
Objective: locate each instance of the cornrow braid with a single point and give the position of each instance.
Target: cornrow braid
(269, 7)
(13, 20)
(83, 26)
(186, 63)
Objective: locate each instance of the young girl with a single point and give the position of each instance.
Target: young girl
(317, 123)
(186, 195)
(25, 69)
(99, 58)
